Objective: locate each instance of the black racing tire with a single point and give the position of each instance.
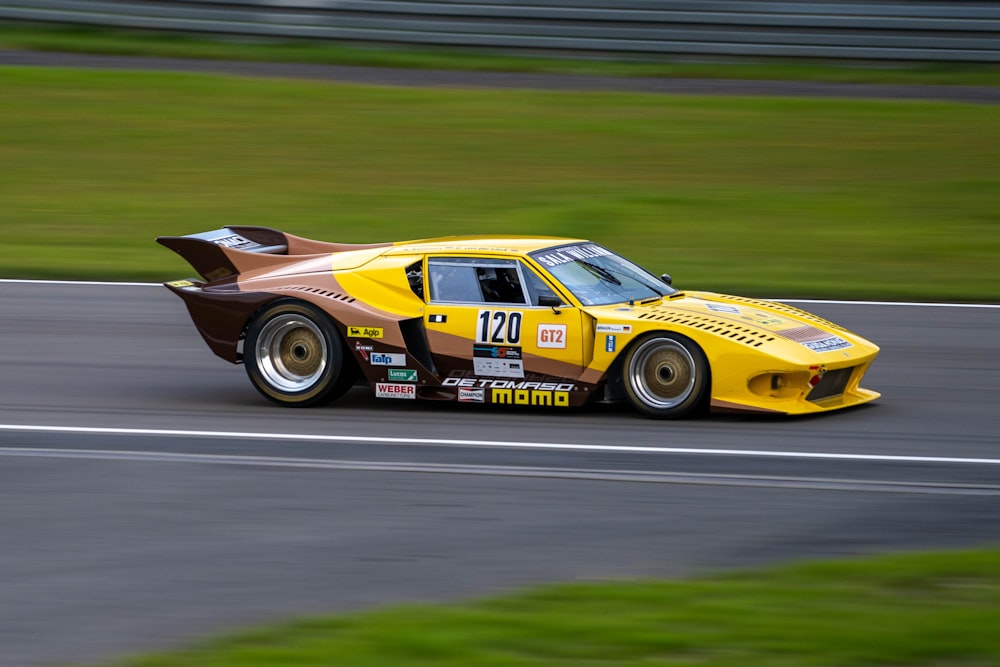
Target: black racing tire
(294, 355)
(666, 376)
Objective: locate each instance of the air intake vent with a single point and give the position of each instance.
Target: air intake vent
(737, 332)
(832, 384)
(322, 292)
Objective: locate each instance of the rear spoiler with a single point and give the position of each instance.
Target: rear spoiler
(229, 251)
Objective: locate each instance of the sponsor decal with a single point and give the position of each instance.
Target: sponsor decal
(439, 319)
(471, 395)
(827, 344)
(181, 283)
(499, 327)
(614, 328)
(402, 375)
(236, 242)
(474, 382)
(497, 361)
(610, 343)
(363, 350)
(388, 359)
(389, 390)
(552, 335)
(496, 352)
(723, 308)
(503, 368)
(529, 397)
(364, 332)
(571, 254)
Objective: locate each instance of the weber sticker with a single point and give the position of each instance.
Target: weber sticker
(389, 390)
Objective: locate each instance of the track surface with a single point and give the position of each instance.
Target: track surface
(140, 539)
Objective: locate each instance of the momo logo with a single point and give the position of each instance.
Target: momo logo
(552, 336)
(529, 397)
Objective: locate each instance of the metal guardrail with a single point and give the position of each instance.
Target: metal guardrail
(916, 30)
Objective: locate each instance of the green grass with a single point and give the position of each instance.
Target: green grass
(789, 197)
(932, 609)
(83, 39)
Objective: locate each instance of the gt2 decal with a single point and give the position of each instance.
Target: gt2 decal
(552, 335)
(499, 327)
(610, 343)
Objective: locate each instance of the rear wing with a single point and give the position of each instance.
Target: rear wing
(229, 251)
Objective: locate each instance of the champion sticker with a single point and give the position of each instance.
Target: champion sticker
(471, 395)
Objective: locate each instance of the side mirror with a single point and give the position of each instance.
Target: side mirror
(667, 279)
(550, 300)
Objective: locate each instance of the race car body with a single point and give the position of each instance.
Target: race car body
(501, 320)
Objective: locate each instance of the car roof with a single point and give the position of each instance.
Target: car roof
(480, 245)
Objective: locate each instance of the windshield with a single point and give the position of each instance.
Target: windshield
(596, 276)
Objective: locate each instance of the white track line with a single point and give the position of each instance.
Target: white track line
(384, 440)
(918, 304)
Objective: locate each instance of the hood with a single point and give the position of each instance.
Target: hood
(747, 319)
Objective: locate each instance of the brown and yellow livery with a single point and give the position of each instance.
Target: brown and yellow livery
(522, 321)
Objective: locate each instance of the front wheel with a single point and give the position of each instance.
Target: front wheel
(666, 376)
(294, 356)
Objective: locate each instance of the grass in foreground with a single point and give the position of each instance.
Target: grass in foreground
(913, 610)
(776, 197)
(84, 39)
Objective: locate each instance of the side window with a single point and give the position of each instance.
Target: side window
(500, 284)
(453, 279)
(415, 276)
(536, 286)
(475, 280)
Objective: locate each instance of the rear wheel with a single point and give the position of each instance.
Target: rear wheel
(294, 355)
(666, 376)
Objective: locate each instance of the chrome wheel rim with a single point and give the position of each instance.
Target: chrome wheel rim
(291, 353)
(662, 373)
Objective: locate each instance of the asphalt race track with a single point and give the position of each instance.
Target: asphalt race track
(149, 496)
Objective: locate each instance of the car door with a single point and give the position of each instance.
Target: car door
(485, 330)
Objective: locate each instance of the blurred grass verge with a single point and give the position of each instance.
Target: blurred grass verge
(779, 197)
(117, 41)
(925, 609)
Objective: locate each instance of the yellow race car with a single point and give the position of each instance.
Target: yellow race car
(537, 321)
